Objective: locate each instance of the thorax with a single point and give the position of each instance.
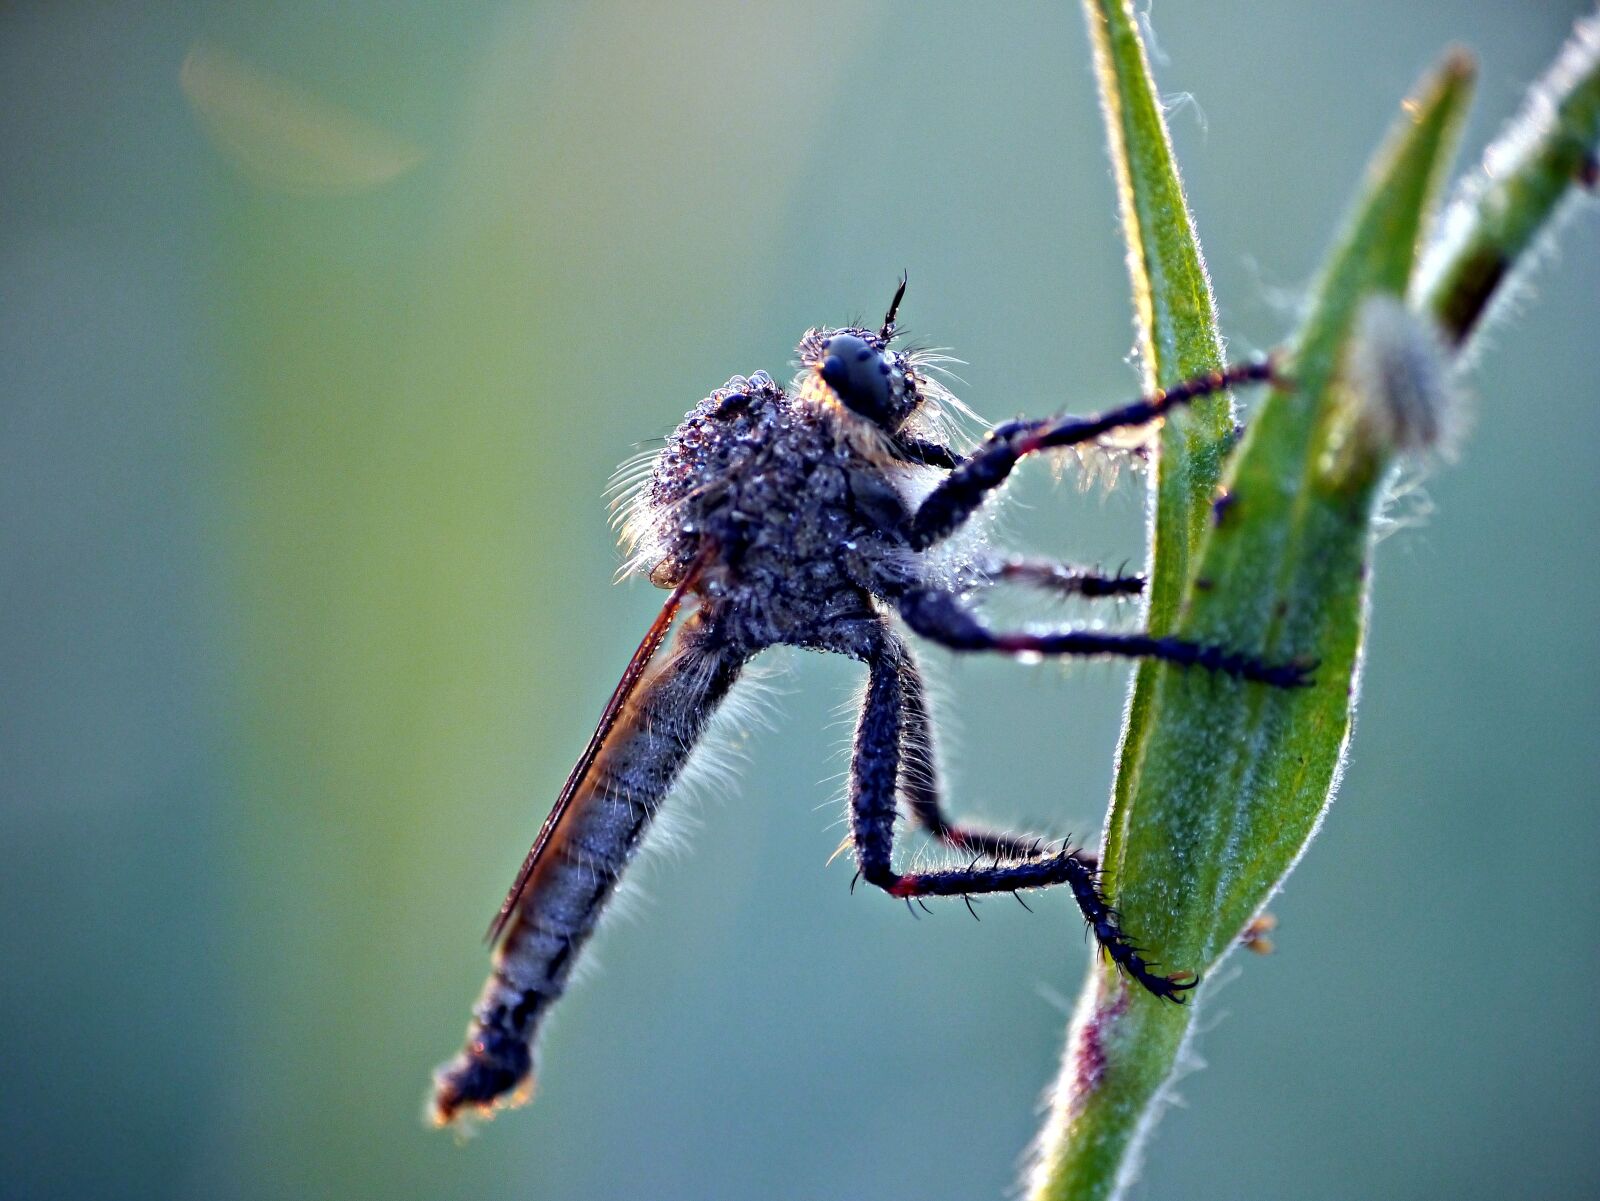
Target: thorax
(791, 512)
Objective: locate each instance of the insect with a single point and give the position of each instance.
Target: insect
(791, 516)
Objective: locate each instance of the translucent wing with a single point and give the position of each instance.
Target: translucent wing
(654, 637)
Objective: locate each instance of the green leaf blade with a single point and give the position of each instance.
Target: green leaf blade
(1282, 576)
(1177, 335)
(1174, 311)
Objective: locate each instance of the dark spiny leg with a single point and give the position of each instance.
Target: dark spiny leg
(1060, 578)
(941, 617)
(919, 784)
(1060, 867)
(963, 490)
(875, 754)
(929, 454)
(873, 773)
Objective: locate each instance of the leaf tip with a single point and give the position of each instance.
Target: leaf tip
(1458, 64)
(1446, 88)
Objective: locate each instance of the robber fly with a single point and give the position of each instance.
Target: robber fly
(793, 517)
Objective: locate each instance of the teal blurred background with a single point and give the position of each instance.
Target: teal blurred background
(321, 328)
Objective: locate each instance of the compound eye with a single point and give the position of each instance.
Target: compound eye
(859, 376)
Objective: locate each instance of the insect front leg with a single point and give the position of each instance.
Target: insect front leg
(874, 770)
(941, 617)
(925, 453)
(961, 492)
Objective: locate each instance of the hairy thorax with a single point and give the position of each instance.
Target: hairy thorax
(785, 498)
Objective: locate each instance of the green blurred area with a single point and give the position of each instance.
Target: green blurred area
(304, 425)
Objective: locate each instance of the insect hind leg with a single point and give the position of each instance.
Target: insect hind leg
(874, 771)
(919, 784)
(1062, 866)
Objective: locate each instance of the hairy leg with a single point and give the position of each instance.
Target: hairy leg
(919, 783)
(874, 774)
(942, 618)
(1063, 579)
(961, 492)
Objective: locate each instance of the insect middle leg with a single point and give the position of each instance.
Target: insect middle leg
(874, 773)
(1063, 579)
(941, 617)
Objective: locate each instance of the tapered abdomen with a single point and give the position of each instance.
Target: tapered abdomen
(578, 870)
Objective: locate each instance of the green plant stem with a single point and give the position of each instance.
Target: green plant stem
(1226, 784)
(1178, 336)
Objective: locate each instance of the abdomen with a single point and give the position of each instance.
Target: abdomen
(578, 871)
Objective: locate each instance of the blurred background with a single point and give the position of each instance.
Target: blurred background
(321, 329)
